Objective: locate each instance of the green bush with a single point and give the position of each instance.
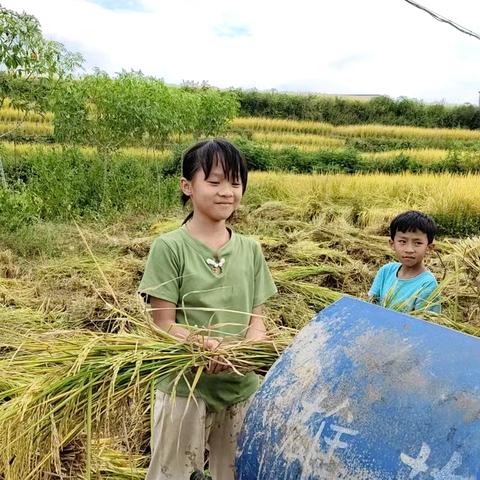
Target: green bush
(384, 144)
(345, 111)
(348, 160)
(132, 109)
(258, 157)
(18, 208)
(459, 162)
(61, 184)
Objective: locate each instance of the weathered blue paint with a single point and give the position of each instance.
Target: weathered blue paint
(366, 393)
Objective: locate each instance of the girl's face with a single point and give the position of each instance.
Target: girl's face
(215, 197)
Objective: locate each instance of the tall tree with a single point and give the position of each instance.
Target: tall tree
(29, 62)
(30, 66)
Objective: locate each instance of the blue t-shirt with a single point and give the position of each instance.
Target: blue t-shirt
(404, 294)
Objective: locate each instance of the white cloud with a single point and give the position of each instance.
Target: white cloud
(346, 46)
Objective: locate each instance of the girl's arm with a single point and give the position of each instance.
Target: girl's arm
(256, 329)
(164, 314)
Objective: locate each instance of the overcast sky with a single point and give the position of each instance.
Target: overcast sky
(337, 46)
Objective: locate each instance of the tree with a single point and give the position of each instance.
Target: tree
(133, 109)
(112, 112)
(30, 66)
(29, 63)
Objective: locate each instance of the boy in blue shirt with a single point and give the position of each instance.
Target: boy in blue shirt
(408, 285)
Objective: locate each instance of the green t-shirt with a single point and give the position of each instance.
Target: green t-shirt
(182, 270)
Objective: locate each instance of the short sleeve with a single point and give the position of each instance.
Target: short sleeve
(428, 298)
(376, 288)
(264, 284)
(162, 274)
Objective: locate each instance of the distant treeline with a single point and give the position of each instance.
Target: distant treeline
(345, 111)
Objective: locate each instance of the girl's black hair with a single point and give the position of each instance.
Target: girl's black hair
(411, 221)
(205, 154)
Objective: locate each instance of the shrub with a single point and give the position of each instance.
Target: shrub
(347, 111)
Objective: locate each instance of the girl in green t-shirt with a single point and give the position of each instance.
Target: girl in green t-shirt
(204, 264)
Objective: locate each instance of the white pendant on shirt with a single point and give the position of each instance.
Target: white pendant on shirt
(216, 266)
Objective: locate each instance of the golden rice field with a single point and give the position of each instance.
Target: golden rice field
(78, 357)
(278, 133)
(280, 125)
(406, 132)
(27, 128)
(388, 193)
(8, 114)
(266, 128)
(369, 130)
(303, 147)
(139, 152)
(301, 140)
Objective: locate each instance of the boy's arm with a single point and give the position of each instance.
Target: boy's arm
(256, 330)
(428, 298)
(375, 290)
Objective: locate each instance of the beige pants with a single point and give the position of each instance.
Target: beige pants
(181, 435)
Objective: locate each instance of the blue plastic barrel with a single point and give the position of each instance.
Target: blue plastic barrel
(365, 393)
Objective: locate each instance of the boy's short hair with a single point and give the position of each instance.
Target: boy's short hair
(411, 221)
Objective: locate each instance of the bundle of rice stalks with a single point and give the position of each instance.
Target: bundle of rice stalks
(83, 270)
(138, 247)
(290, 309)
(468, 251)
(96, 285)
(313, 252)
(301, 272)
(446, 320)
(17, 292)
(21, 320)
(111, 463)
(316, 296)
(8, 266)
(463, 294)
(354, 242)
(273, 248)
(72, 382)
(274, 220)
(275, 211)
(166, 225)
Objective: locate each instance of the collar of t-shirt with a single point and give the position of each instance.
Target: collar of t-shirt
(206, 251)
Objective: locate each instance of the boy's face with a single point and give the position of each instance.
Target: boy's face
(410, 247)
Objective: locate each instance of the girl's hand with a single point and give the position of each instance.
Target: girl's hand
(216, 364)
(211, 343)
